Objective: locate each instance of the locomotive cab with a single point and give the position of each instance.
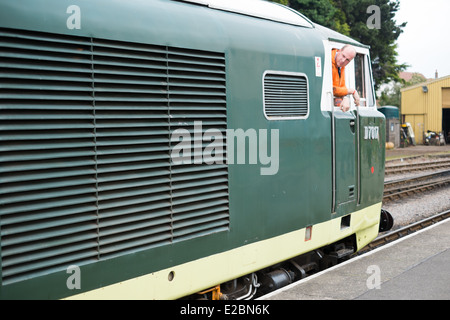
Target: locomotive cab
(358, 153)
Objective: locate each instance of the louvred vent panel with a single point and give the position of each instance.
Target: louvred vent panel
(85, 140)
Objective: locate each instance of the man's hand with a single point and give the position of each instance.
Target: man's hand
(356, 97)
(345, 104)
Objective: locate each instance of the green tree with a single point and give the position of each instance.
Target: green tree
(391, 95)
(285, 2)
(318, 11)
(323, 12)
(382, 40)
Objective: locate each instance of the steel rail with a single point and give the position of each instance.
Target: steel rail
(398, 188)
(428, 165)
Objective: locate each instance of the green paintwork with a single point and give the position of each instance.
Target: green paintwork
(260, 207)
(372, 155)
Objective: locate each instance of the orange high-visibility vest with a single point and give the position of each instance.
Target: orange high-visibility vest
(339, 88)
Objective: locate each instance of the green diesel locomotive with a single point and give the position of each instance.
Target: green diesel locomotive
(154, 149)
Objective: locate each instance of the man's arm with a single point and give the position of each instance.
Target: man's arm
(340, 91)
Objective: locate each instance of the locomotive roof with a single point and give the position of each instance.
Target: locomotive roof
(275, 12)
(258, 8)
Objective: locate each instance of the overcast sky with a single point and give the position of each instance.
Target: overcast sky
(425, 41)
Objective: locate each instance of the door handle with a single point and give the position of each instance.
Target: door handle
(352, 126)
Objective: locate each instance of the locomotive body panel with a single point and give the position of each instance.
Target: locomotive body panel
(154, 155)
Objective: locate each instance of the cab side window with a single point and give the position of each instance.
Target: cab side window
(360, 76)
(363, 80)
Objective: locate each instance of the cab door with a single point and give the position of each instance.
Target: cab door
(345, 130)
(357, 154)
(345, 160)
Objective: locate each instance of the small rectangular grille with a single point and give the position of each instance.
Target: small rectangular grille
(85, 169)
(285, 95)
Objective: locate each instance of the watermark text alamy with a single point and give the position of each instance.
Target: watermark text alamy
(187, 147)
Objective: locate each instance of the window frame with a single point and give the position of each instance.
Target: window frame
(327, 88)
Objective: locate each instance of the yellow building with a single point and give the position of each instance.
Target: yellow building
(426, 106)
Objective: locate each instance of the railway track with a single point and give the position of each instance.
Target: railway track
(418, 166)
(404, 187)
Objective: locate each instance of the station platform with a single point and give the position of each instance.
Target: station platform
(415, 267)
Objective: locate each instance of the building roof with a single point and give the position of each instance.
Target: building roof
(407, 76)
(425, 83)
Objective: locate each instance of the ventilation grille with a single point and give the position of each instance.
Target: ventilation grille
(285, 95)
(85, 168)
